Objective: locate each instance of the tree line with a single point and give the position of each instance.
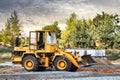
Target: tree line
(101, 32)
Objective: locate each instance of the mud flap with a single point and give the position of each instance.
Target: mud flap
(87, 61)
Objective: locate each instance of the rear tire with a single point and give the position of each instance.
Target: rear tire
(30, 63)
(62, 64)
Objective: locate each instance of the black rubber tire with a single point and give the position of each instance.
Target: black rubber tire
(73, 68)
(35, 63)
(68, 63)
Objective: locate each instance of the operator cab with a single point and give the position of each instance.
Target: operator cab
(43, 40)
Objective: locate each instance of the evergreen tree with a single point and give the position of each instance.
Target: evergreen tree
(12, 30)
(67, 35)
(107, 29)
(99, 32)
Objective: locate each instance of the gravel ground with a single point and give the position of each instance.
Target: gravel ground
(60, 75)
(95, 72)
(98, 78)
(107, 69)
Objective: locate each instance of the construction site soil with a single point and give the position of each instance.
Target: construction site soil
(103, 66)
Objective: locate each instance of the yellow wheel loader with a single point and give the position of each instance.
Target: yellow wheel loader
(43, 52)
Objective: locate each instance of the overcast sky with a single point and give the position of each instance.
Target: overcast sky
(37, 13)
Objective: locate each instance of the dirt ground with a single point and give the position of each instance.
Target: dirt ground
(116, 62)
(102, 70)
(104, 66)
(18, 70)
(12, 70)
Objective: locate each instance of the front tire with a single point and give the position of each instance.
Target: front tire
(73, 68)
(30, 63)
(62, 64)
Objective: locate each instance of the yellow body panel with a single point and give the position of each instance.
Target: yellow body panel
(46, 62)
(21, 48)
(50, 48)
(17, 59)
(70, 56)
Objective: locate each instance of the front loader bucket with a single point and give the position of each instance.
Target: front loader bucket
(87, 60)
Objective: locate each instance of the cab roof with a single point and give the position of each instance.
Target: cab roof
(44, 31)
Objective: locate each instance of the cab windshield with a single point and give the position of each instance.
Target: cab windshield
(50, 38)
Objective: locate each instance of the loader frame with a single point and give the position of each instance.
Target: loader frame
(43, 52)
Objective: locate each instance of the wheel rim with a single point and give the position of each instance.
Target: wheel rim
(61, 64)
(29, 64)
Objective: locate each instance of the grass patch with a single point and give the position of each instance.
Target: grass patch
(3, 67)
(5, 54)
(5, 57)
(5, 50)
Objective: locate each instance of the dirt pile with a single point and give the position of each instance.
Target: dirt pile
(116, 62)
(102, 66)
(102, 61)
(99, 70)
(12, 70)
